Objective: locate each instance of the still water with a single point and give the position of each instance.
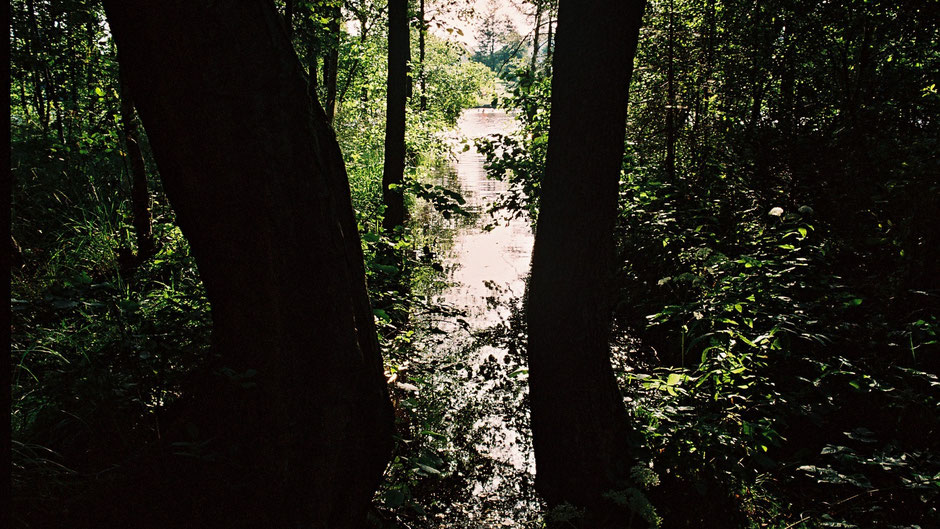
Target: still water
(473, 355)
(485, 261)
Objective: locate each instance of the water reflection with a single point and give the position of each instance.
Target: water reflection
(475, 362)
(485, 263)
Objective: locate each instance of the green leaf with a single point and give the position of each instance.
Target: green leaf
(394, 498)
(430, 470)
(433, 434)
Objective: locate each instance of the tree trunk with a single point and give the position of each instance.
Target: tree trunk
(579, 424)
(549, 41)
(331, 62)
(671, 103)
(422, 29)
(394, 170)
(703, 152)
(140, 197)
(34, 49)
(312, 73)
(535, 38)
(296, 430)
(289, 17)
(20, 43)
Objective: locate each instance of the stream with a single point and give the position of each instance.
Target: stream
(471, 355)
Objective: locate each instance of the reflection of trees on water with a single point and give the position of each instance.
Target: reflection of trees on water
(474, 364)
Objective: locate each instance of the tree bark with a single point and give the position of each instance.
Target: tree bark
(549, 41)
(298, 425)
(289, 17)
(579, 424)
(140, 197)
(331, 62)
(34, 47)
(394, 170)
(422, 29)
(535, 38)
(671, 102)
(703, 151)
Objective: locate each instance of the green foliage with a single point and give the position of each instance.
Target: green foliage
(499, 43)
(454, 82)
(776, 302)
(519, 158)
(103, 345)
(95, 358)
(773, 304)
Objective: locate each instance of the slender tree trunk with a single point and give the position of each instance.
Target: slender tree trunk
(71, 109)
(312, 55)
(296, 429)
(671, 102)
(33, 50)
(393, 173)
(787, 83)
(758, 81)
(422, 29)
(531, 107)
(549, 43)
(579, 424)
(331, 62)
(140, 197)
(313, 72)
(705, 149)
(535, 39)
(289, 17)
(59, 116)
(24, 42)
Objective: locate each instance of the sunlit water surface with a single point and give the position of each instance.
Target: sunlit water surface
(486, 260)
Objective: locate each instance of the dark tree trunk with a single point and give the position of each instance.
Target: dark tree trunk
(34, 49)
(394, 170)
(21, 43)
(535, 38)
(289, 17)
(422, 29)
(671, 103)
(703, 152)
(297, 428)
(787, 83)
(579, 424)
(140, 197)
(549, 41)
(313, 69)
(331, 62)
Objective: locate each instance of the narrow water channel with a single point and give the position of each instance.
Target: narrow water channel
(488, 257)
(477, 365)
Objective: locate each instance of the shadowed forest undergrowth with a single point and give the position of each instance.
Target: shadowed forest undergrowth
(772, 282)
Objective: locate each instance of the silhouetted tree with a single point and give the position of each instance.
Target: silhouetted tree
(394, 170)
(140, 196)
(296, 429)
(579, 423)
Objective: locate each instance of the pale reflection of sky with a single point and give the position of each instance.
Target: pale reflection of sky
(486, 263)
